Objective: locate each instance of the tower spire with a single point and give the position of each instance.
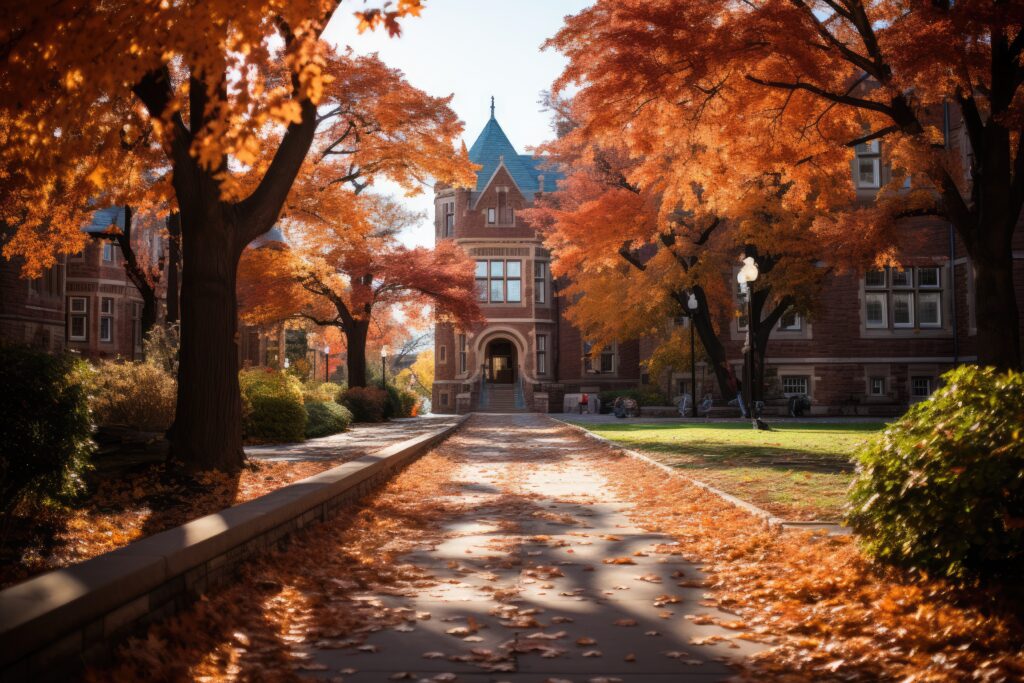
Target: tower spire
(492, 106)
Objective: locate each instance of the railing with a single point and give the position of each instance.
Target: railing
(520, 395)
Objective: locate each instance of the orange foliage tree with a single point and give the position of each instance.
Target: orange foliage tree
(215, 105)
(355, 276)
(794, 85)
(635, 249)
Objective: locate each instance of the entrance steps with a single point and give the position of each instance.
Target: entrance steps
(501, 398)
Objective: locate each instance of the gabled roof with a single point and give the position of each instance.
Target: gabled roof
(103, 219)
(492, 148)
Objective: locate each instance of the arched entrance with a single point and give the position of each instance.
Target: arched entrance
(501, 361)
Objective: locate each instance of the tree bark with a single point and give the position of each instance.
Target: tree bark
(207, 432)
(705, 329)
(996, 314)
(173, 267)
(356, 335)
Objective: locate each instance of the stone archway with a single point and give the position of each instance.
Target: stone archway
(501, 361)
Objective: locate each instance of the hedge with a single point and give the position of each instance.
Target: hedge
(942, 489)
(368, 404)
(326, 418)
(272, 405)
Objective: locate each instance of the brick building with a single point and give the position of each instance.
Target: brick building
(876, 342)
(86, 303)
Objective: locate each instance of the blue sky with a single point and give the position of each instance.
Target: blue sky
(472, 49)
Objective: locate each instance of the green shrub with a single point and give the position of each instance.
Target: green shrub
(368, 404)
(272, 405)
(401, 402)
(45, 431)
(942, 488)
(320, 391)
(137, 395)
(645, 395)
(326, 418)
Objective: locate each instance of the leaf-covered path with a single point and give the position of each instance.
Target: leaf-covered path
(543, 576)
(520, 551)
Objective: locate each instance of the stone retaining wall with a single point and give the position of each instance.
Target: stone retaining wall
(53, 624)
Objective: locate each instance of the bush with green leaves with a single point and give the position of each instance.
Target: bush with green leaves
(313, 390)
(646, 395)
(46, 431)
(273, 408)
(401, 402)
(942, 489)
(140, 396)
(368, 404)
(326, 418)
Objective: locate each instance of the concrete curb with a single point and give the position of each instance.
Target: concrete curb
(50, 625)
(833, 528)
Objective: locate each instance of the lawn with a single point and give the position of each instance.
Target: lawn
(797, 471)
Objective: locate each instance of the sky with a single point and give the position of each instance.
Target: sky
(473, 49)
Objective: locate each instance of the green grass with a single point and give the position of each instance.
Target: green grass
(796, 471)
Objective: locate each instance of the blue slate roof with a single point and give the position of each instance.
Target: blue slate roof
(492, 147)
(103, 219)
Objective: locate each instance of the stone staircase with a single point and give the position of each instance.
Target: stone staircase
(501, 398)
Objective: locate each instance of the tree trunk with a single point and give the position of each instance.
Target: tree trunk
(705, 329)
(355, 338)
(173, 266)
(207, 432)
(996, 313)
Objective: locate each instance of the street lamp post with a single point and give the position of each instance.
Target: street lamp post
(383, 367)
(692, 305)
(747, 275)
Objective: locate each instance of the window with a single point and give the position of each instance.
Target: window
(78, 318)
(462, 353)
(514, 282)
(491, 216)
(108, 252)
(481, 280)
(876, 386)
(929, 309)
(875, 315)
(542, 354)
(868, 165)
(903, 298)
(920, 387)
(499, 281)
(928, 278)
(448, 225)
(444, 399)
(442, 354)
(794, 385)
(790, 321)
(902, 309)
(604, 364)
(136, 326)
(540, 282)
(106, 319)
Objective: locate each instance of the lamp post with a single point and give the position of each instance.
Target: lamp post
(327, 363)
(383, 367)
(747, 275)
(692, 305)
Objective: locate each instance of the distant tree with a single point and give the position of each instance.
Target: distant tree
(419, 377)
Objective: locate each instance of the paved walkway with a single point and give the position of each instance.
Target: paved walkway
(358, 440)
(525, 590)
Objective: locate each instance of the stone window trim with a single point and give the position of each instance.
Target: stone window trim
(499, 282)
(463, 354)
(607, 364)
(790, 371)
(540, 282)
(109, 252)
(912, 301)
(542, 354)
(106, 320)
(879, 385)
(922, 381)
(78, 318)
(442, 354)
(867, 166)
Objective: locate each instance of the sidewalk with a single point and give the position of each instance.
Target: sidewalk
(360, 439)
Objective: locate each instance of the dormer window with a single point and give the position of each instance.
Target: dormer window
(867, 168)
